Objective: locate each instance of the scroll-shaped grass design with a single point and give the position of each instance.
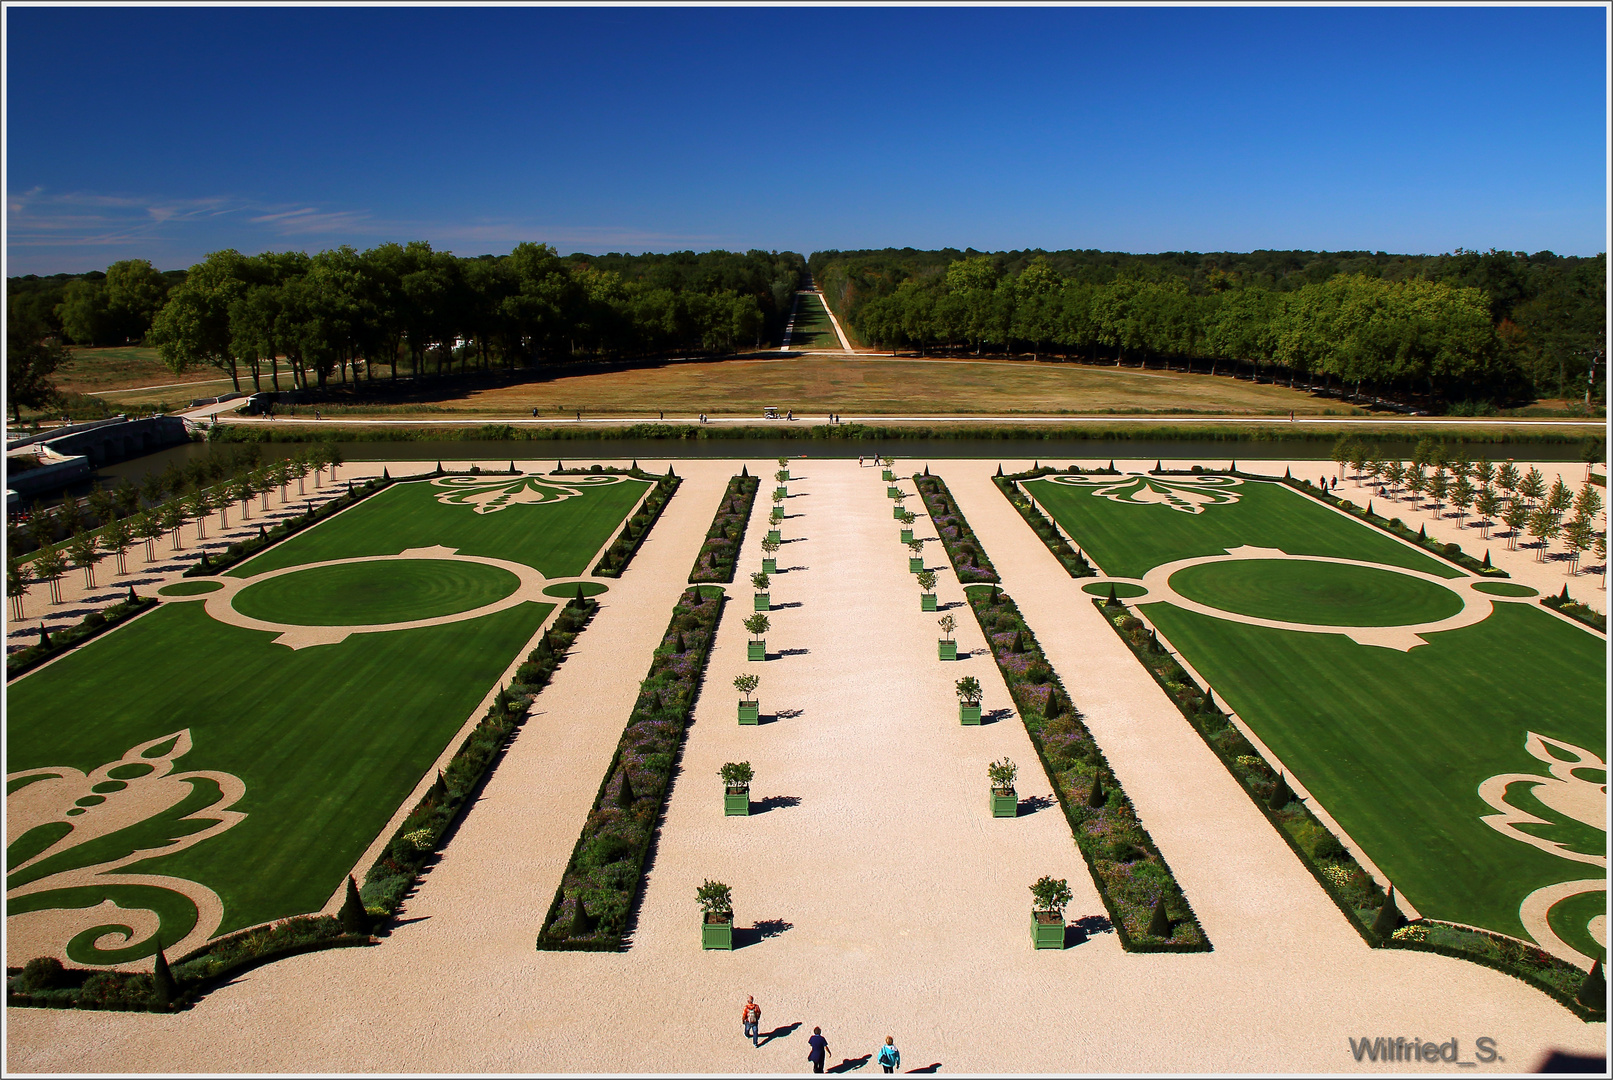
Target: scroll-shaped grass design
(592, 907)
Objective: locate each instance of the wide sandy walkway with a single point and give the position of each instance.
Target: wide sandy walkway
(892, 902)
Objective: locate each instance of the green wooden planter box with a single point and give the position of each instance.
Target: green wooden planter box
(736, 804)
(763, 602)
(968, 715)
(892, 491)
(914, 565)
(786, 473)
(948, 649)
(717, 935)
(750, 713)
(907, 536)
(773, 535)
(927, 601)
(769, 566)
(896, 512)
(889, 476)
(1004, 803)
(756, 650)
(1047, 935)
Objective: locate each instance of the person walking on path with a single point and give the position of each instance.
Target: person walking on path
(889, 1056)
(752, 1018)
(818, 1046)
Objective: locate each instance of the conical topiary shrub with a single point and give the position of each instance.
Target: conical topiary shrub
(581, 924)
(1097, 796)
(353, 917)
(1054, 707)
(1422, 534)
(1593, 990)
(1019, 641)
(624, 794)
(581, 599)
(1388, 917)
(743, 472)
(1288, 474)
(1562, 597)
(1209, 700)
(681, 647)
(1281, 795)
(999, 468)
(44, 635)
(1160, 925)
(1369, 508)
(164, 988)
(1113, 598)
(1486, 558)
(439, 788)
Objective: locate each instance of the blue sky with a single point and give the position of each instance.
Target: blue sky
(164, 134)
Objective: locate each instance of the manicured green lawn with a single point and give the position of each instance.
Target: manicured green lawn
(329, 740)
(1394, 745)
(1329, 594)
(558, 539)
(1127, 539)
(365, 594)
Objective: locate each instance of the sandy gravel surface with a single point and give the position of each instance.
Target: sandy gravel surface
(890, 901)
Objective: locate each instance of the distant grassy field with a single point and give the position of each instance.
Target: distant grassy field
(812, 327)
(860, 387)
(101, 371)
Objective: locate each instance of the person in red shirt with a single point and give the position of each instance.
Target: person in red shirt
(752, 1018)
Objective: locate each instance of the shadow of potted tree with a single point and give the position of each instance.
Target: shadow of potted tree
(1051, 896)
(762, 601)
(716, 915)
(749, 709)
(947, 648)
(1004, 799)
(736, 778)
(758, 624)
(969, 701)
(927, 579)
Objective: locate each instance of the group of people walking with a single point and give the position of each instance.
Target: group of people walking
(817, 1046)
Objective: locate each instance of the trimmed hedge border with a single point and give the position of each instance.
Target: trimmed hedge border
(1074, 563)
(1110, 837)
(626, 545)
(1355, 892)
(243, 550)
(421, 834)
(954, 531)
(1451, 553)
(25, 660)
(1576, 610)
(605, 874)
(719, 555)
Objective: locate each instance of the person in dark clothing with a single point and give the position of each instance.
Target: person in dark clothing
(818, 1046)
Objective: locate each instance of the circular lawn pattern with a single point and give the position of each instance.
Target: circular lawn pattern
(370, 593)
(190, 588)
(568, 589)
(1318, 593)
(1503, 588)
(1123, 590)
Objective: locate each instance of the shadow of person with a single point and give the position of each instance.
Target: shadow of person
(849, 1064)
(778, 1033)
(934, 1066)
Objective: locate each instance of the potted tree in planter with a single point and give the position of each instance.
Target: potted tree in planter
(915, 561)
(896, 510)
(969, 701)
(907, 519)
(716, 902)
(736, 778)
(775, 519)
(782, 476)
(749, 709)
(763, 601)
(784, 467)
(1047, 917)
(948, 648)
(758, 625)
(1004, 799)
(926, 580)
(886, 463)
(770, 546)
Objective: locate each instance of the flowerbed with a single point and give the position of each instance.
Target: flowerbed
(92, 625)
(1576, 610)
(637, 527)
(396, 869)
(1127, 868)
(963, 548)
(1356, 892)
(720, 553)
(242, 550)
(593, 904)
(1072, 560)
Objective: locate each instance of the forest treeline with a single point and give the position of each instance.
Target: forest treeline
(1459, 332)
(312, 318)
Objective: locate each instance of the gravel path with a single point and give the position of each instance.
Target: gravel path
(890, 900)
